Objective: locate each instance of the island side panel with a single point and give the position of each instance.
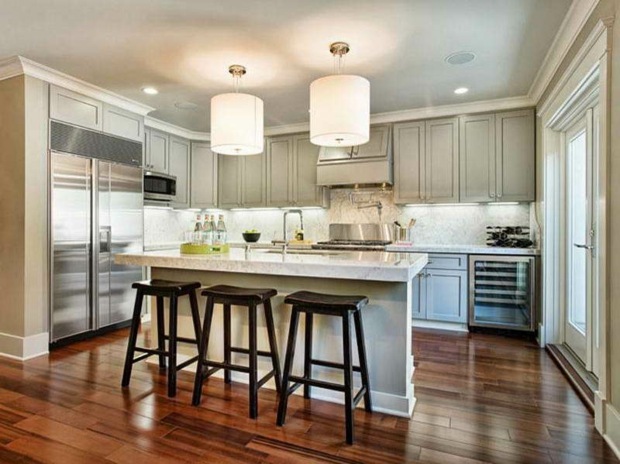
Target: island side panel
(386, 323)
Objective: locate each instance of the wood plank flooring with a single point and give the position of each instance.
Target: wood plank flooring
(481, 398)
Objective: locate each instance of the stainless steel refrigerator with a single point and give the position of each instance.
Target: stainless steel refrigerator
(96, 212)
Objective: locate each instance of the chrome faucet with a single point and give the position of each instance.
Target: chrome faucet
(284, 241)
(374, 204)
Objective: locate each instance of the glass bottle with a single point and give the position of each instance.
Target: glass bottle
(197, 235)
(207, 230)
(220, 231)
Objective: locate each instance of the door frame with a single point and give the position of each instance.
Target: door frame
(585, 81)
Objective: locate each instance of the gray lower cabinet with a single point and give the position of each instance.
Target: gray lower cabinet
(74, 108)
(203, 185)
(156, 150)
(440, 290)
(123, 123)
(179, 166)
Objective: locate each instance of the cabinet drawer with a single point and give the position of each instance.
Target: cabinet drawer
(444, 261)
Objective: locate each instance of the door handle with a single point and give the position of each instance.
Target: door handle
(585, 247)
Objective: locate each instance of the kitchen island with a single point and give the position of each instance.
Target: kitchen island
(385, 278)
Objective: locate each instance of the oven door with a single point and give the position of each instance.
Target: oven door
(159, 186)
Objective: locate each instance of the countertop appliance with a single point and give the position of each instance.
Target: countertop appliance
(96, 211)
(357, 237)
(159, 187)
(502, 292)
(509, 236)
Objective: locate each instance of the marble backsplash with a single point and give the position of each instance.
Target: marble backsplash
(440, 224)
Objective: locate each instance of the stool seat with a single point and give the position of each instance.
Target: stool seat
(326, 302)
(166, 286)
(228, 292)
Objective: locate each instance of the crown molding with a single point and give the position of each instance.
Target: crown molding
(18, 65)
(573, 23)
(179, 131)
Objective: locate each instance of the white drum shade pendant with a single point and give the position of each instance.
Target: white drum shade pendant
(237, 121)
(339, 106)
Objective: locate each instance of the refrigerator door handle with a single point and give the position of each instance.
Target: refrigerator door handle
(105, 239)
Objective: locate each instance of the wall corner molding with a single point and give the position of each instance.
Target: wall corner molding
(18, 65)
(573, 23)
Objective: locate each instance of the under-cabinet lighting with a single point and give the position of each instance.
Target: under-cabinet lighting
(157, 207)
(442, 204)
(505, 203)
(304, 208)
(254, 209)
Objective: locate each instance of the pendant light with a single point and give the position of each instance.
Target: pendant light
(339, 106)
(237, 120)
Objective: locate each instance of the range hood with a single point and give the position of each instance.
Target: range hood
(368, 164)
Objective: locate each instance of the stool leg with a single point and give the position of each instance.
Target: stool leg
(202, 352)
(308, 353)
(227, 330)
(348, 376)
(193, 301)
(161, 330)
(253, 362)
(361, 351)
(288, 365)
(273, 345)
(172, 348)
(133, 336)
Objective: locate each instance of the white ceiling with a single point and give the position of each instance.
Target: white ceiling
(184, 48)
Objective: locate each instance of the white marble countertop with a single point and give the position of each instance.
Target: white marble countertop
(462, 249)
(371, 266)
(257, 246)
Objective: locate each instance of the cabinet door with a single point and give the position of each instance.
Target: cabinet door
(306, 155)
(279, 171)
(409, 161)
(179, 167)
(74, 108)
(446, 295)
(157, 146)
(203, 185)
(229, 181)
(253, 185)
(377, 145)
(418, 309)
(442, 161)
(516, 158)
(477, 158)
(123, 123)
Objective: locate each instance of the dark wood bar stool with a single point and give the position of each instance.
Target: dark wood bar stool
(251, 298)
(162, 289)
(312, 303)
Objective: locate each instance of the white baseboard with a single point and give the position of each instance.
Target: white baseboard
(612, 428)
(24, 348)
(454, 326)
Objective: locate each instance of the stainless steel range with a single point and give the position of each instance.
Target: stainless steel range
(357, 237)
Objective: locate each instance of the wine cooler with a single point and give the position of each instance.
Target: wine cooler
(502, 292)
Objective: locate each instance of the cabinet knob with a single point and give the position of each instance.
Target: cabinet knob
(492, 195)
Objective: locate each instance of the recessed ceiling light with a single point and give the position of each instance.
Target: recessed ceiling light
(150, 90)
(460, 57)
(461, 90)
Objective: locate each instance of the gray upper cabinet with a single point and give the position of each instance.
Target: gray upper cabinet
(203, 185)
(229, 181)
(376, 147)
(515, 156)
(442, 161)
(498, 157)
(179, 166)
(156, 150)
(477, 158)
(74, 108)
(306, 191)
(253, 184)
(123, 123)
(280, 171)
(409, 162)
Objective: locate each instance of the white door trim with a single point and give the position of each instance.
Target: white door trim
(586, 77)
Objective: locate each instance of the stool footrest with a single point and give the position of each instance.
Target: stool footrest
(333, 365)
(141, 357)
(183, 340)
(317, 383)
(235, 349)
(223, 365)
(187, 363)
(265, 379)
(359, 396)
(149, 351)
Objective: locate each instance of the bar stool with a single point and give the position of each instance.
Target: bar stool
(312, 303)
(227, 295)
(162, 289)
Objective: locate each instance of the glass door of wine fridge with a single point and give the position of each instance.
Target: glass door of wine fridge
(502, 292)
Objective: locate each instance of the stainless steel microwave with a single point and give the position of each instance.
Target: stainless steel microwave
(159, 186)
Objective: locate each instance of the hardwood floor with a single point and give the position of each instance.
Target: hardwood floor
(481, 398)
